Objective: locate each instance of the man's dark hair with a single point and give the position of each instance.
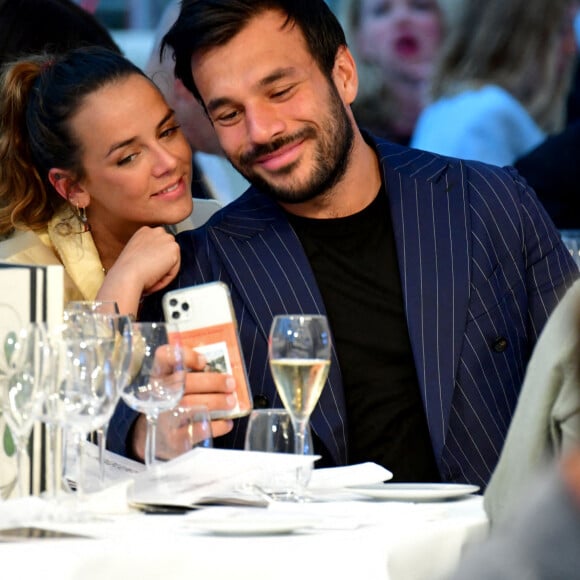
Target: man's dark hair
(206, 24)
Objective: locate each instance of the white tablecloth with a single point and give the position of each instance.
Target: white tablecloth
(368, 539)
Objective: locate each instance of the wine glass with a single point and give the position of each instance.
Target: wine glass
(299, 349)
(74, 312)
(157, 375)
(86, 379)
(271, 430)
(181, 429)
(23, 373)
(87, 306)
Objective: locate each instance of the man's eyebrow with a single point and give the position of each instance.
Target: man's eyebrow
(170, 113)
(275, 76)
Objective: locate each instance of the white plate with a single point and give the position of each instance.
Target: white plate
(415, 491)
(252, 525)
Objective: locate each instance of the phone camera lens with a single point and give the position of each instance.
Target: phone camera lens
(185, 307)
(173, 302)
(175, 314)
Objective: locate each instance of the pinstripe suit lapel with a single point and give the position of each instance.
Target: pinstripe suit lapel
(273, 276)
(431, 223)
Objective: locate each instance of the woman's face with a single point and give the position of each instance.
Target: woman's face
(137, 162)
(401, 36)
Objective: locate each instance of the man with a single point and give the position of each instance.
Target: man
(436, 274)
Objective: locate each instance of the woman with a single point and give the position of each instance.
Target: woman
(500, 86)
(396, 43)
(92, 165)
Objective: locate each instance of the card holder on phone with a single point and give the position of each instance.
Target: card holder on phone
(206, 321)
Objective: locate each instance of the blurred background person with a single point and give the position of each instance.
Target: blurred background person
(552, 167)
(553, 170)
(395, 44)
(546, 422)
(32, 26)
(541, 538)
(213, 176)
(502, 80)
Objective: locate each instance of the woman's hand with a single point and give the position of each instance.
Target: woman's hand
(149, 262)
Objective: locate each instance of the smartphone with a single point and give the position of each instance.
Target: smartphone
(206, 321)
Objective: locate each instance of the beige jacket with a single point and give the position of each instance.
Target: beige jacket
(76, 252)
(546, 422)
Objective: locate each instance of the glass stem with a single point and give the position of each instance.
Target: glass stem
(52, 478)
(102, 443)
(300, 430)
(21, 457)
(78, 443)
(150, 441)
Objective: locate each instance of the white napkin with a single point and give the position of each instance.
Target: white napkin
(335, 478)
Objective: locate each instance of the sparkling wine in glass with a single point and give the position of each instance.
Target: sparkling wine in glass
(157, 375)
(299, 350)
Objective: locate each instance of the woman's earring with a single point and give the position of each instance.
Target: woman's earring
(82, 215)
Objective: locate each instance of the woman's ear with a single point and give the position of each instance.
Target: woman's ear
(68, 187)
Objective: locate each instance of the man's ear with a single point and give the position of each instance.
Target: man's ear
(345, 75)
(68, 187)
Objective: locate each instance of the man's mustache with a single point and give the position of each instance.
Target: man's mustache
(262, 149)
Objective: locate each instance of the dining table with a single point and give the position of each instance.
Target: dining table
(343, 535)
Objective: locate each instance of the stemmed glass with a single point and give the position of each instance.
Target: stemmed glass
(181, 429)
(157, 375)
(271, 430)
(86, 378)
(88, 306)
(23, 373)
(74, 312)
(299, 349)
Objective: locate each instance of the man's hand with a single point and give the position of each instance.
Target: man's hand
(214, 390)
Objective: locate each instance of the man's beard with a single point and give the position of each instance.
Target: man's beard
(333, 147)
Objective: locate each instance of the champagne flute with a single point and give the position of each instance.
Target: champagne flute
(299, 349)
(22, 386)
(157, 375)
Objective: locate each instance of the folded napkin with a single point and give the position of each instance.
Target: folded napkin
(334, 478)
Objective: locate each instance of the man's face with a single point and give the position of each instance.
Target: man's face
(280, 121)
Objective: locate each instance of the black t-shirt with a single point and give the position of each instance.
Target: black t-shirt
(355, 263)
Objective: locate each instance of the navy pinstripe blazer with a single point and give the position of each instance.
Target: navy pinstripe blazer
(481, 268)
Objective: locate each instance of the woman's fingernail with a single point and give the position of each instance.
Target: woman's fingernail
(230, 383)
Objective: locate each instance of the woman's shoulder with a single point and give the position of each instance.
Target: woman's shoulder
(27, 247)
(473, 101)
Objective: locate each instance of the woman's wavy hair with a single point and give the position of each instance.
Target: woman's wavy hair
(39, 95)
(514, 44)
